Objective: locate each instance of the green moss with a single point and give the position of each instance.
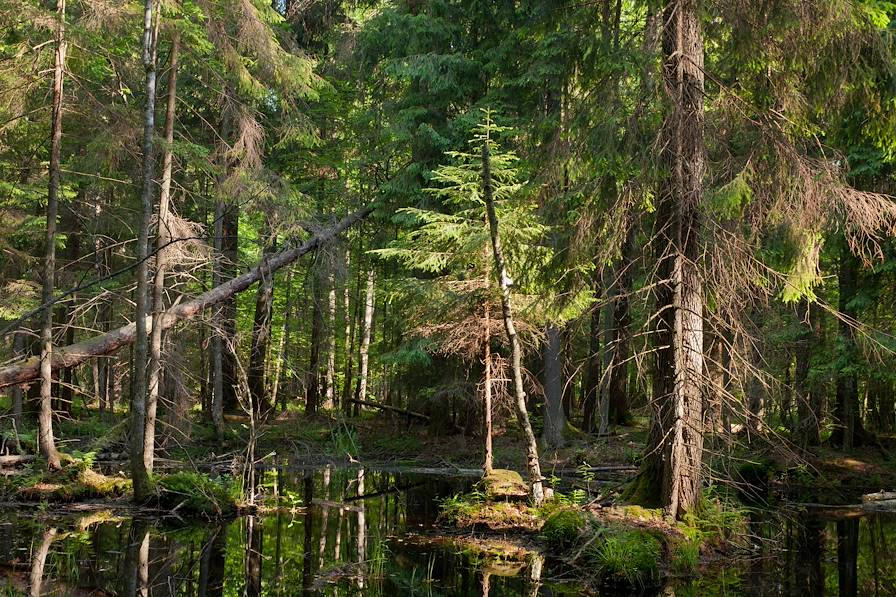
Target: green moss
(504, 484)
(76, 481)
(194, 493)
(562, 528)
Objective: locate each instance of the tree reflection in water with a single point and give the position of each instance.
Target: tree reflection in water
(335, 534)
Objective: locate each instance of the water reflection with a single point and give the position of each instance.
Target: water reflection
(340, 532)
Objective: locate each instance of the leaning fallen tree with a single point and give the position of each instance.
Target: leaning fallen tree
(69, 356)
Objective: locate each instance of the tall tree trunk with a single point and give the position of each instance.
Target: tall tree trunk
(849, 431)
(19, 346)
(351, 318)
(46, 441)
(487, 362)
(364, 357)
(807, 424)
(593, 374)
(533, 466)
(261, 331)
(312, 392)
(217, 356)
(554, 419)
(229, 248)
(139, 471)
(163, 237)
(672, 473)
(330, 391)
(283, 346)
(622, 350)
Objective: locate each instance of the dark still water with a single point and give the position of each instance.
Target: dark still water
(360, 536)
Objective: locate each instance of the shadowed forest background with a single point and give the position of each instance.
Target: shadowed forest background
(630, 264)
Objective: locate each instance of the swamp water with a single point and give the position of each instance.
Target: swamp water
(371, 532)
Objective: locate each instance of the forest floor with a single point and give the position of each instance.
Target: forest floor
(822, 474)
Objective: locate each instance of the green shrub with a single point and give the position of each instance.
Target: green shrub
(630, 556)
(459, 508)
(685, 556)
(562, 529)
(194, 493)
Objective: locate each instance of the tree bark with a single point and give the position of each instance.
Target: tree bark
(351, 318)
(617, 384)
(46, 441)
(19, 345)
(849, 431)
(330, 330)
(312, 392)
(217, 408)
(230, 251)
(139, 380)
(672, 472)
(807, 424)
(163, 237)
(364, 356)
(488, 465)
(261, 332)
(593, 375)
(554, 419)
(283, 346)
(80, 352)
(533, 466)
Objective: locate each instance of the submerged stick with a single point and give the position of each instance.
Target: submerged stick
(75, 354)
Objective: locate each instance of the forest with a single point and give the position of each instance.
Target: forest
(447, 297)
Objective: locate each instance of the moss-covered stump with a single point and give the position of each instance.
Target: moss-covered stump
(503, 484)
(70, 484)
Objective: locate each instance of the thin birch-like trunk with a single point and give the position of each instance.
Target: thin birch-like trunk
(532, 464)
(46, 441)
(364, 359)
(163, 238)
(283, 344)
(330, 392)
(488, 466)
(139, 471)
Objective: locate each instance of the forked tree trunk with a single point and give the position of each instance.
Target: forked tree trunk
(364, 356)
(139, 471)
(671, 474)
(46, 441)
(163, 238)
(533, 466)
